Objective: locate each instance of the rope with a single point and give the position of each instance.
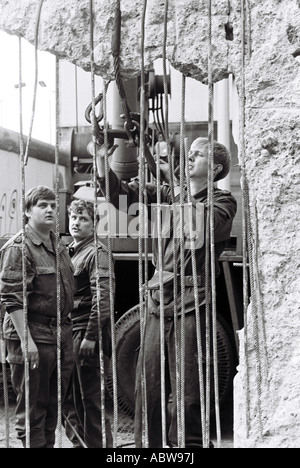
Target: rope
(210, 236)
(244, 210)
(258, 293)
(4, 375)
(160, 253)
(76, 99)
(57, 256)
(196, 296)
(101, 358)
(142, 217)
(73, 429)
(175, 266)
(167, 133)
(249, 248)
(35, 79)
(207, 237)
(247, 9)
(254, 310)
(24, 260)
(110, 269)
(182, 265)
(161, 302)
(116, 40)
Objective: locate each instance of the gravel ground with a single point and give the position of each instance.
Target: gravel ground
(124, 436)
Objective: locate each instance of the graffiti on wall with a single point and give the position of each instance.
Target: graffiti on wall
(9, 213)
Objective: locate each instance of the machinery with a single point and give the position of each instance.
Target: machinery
(76, 181)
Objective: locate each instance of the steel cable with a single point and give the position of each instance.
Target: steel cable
(181, 443)
(161, 302)
(110, 268)
(116, 41)
(143, 234)
(57, 255)
(244, 211)
(93, 115)
(207, 235)
(173, 227)
(210, 238)
(36, 37)
(250, 244)
(254, 310)
(259, 294)
(196, 296)
(5, 377)
(246, 226)
(24, 259)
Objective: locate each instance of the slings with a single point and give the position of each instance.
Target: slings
(143, 235)
(101, 356)
(57, 257)
(210, 268)
(36, 38)
(178, 396)
(116, 41)
(180, 342)
(5, 377)
(111, 283)
(250, 248)
(24, 259)
(131, 126)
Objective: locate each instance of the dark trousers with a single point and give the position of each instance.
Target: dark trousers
(193, 431)
(83, 404)
(42, 391)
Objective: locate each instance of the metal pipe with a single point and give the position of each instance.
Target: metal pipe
(10, 141)
(124, 161)
(224, 124)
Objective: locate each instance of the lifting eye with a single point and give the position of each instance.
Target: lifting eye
(229, 31)
(296, 53)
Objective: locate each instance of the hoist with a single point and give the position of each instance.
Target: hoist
(130, 137)
(128, 165)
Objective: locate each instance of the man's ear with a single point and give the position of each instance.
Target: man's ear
(218, 169)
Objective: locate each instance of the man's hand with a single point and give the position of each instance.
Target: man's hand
(165, 175)
(100, 156)
(33, 354)
(87, 348)
(17, 318)
(100, 150)
(164, 171)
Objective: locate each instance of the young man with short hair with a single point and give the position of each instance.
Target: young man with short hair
(224, 209)
(86, 392)
(42, 298)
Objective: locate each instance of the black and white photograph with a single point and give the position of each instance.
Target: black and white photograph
(149, 226)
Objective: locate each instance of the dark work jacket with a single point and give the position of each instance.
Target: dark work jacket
(41, 281)
(224, 207)
(85, 313)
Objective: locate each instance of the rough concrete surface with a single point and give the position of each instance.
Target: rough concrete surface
(269, 368)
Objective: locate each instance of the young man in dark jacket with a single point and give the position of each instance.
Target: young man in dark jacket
(41, 296)
(224, 209)
(89, 306)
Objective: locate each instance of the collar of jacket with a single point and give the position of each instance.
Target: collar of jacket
(79, 245)
(204, 192)
(35, 238)
(201, 194)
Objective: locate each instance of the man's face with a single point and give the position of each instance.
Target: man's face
(81, 225)
(42, 215)
(198, 161)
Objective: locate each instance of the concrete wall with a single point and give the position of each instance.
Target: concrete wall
(272, 159)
